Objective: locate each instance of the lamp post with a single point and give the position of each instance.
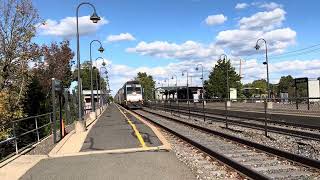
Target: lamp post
(204, 116)
(176, 86)
(187, 89)
(168, 87)
(103, 64)
(80, 126)
(227, 103)
(225, 59)
(93, 106)
(265, 62)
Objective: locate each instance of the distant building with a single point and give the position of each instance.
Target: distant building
(165, 93)
(87, 98)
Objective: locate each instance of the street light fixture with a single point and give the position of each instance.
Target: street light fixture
(257, 47)
(94, 17)
(93, 106)
(225, 59)
(80, 126)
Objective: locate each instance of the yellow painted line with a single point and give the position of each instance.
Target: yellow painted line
(164, 141)
(136, 131)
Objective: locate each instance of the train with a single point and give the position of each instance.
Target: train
(130, 95)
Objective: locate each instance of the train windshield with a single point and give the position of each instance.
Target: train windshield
(130, 90)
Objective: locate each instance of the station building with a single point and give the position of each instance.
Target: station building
(180, 92)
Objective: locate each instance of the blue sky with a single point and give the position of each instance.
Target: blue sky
(165, 37)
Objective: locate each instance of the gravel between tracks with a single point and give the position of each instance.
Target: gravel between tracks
(307, 148)
(202, 165)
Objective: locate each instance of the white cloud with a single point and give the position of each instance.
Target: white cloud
(267, 20)
(215, 19)
(253, 69)
(270, 5)
(241, 6)
(242, 42)
(67, 27)
(121, 37)
(188, 50)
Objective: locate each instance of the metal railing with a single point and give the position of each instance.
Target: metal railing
(30, 126)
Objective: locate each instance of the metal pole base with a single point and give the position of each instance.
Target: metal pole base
(80, 126)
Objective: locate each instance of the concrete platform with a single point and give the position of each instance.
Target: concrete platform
(119, 145)
(112, 131)
(130, 166)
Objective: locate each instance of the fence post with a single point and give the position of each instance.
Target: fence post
(188, 107)
(178, 107)
(265, 118)
(67, 107)
(204, 113)
(226, 113)
(54, 111)
(37, 130)
(170, 106)
(308, 103)
(60, 116)
(15, 138)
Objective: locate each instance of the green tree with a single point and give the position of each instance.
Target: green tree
(18, 20)
(85, 76)
(147, 83)
(261, 84)
(286, 85)
(216, 85)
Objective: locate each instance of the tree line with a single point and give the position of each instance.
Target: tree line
(26, 68)
(215, 86)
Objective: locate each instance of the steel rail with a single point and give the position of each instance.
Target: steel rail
(196, 109)
(222, 158)
(270, 128)
(274, 151)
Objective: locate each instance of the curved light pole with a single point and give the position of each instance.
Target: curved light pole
(187, 89)
(93, 106)
(106, 72)
(225, 59)
(98, 97)
(94, 18)
(201, 78)
(204, 116)
(257, 47)
(168, 87)
(176, 85)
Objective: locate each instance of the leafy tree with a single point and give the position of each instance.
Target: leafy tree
(56, 64)
(85, 76)
(261, 84)
(286, 85)
(216, 85)
(147, 83)
(18, 20)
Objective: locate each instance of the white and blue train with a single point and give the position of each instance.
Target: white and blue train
(130, 95)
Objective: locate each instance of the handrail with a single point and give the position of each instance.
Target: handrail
(31, 117)
(16, 136)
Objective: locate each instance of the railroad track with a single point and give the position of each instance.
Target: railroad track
(273, 126)
(249, 158)
(261, 119)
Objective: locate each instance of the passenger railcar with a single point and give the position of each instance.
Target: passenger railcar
(130, 95)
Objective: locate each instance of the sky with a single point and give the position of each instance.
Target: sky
(164, 38)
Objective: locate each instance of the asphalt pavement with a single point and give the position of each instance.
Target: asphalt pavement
(112, 131)
(129, 166)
